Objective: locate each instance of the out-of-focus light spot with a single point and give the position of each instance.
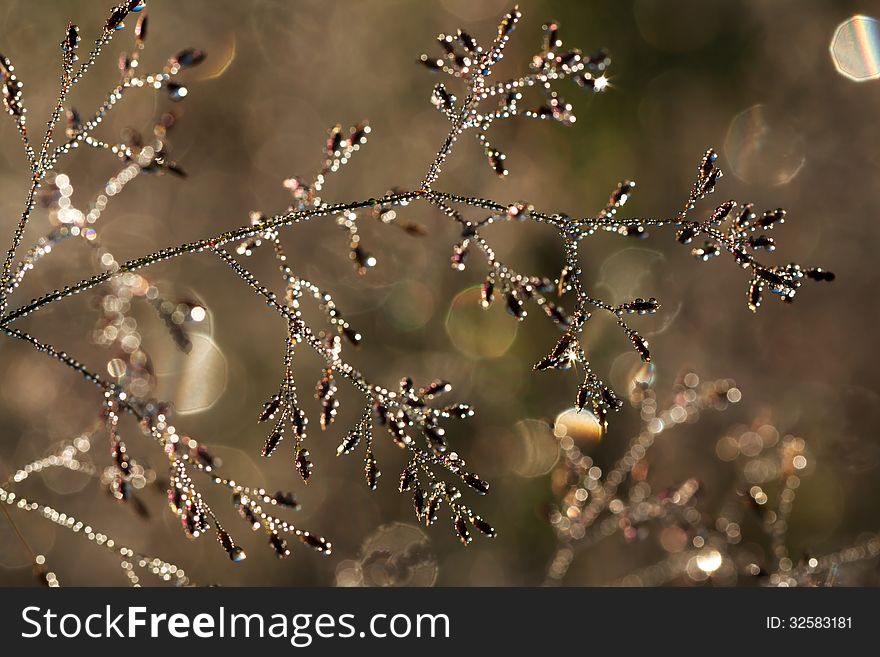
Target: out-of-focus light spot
(799, 462)
(476, 332)
(764, 148)
(221, 60)
(412, 304)
(198, 379)
(396, 554)
(581, 426)
(855, 48)
(535, 450)
(197, 314)
(709, 561)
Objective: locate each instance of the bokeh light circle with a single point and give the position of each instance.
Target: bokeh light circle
(763, 147)
(855, 48)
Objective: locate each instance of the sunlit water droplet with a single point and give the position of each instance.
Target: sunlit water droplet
(398, 554)
(855, 48)
(535, 450)
(476, 332)
(763, 147)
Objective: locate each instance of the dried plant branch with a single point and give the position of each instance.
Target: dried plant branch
(408, 413)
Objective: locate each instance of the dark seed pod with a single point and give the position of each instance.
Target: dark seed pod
(642, 306)
(483, 526)
(755, 294)
(819, 274)
(556, 313)
(563, 346)
(709, 183)
(431, 507)
(722, 212)
(436, 437)
(542, 284)
(745, 217)
(140, 31)
(621, 195)
(565, 277)
(418, 501)
(325, 392)
(468, 42)
(459, 255)
(442, 99)
(279, 545)
(429, 63)
(601, 415)
(269, 408)
(286, 500)
(461, 530)
(583, 397)
(303, 464)
(487, 293)
(474, 481)
(508, 23)
(176, 92)
(176, 169)
(175, 499)
(496, 161)
(362, 260)
(397, 429)
(358, 134)
(316, 542)
(707, 164)
(71, 39)
(74, 123)
(117, 15)
(742, 258)
(371, 471)
(236, 554)
(349, 443)
(203, 456)
(708, 251)
(460, 411)
(435, 389)
(117, 451)
(407, 480)
(272, 442)
(634, 230)
(687, 234)
(641, 346)
(299, 421)
(762, 242)
(189, 57)
(381, 414)
(771, 218)
(515, 306)
(249, 516)
(351, 335)
(770, 277)
(610, 399)
(406, 387)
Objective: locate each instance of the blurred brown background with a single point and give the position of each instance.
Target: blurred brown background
(278, 75)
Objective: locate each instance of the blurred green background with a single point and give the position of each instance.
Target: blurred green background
(754, 79)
